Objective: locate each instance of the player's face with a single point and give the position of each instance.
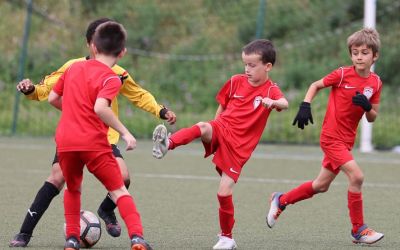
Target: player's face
(362, 58)
(256, 71)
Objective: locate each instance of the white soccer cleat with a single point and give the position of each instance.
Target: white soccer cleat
(160, 141)
(366, 235)
(225, 243)
(275, 210)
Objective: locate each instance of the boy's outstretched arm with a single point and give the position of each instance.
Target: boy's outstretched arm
(279, 104)
(304, 114)
(55, 100)
(103, 110)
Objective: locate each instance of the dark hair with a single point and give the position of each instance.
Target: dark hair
(110, 38)
(92, 28)
(262, 47)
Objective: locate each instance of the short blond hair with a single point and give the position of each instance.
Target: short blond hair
(367, 36)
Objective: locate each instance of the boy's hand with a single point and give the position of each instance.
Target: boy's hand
(362, 101)
(303, 115)
(25, 86)
(268, 102)
(168, 115)
(129, 140)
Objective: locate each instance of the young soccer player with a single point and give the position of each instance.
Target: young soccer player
(245, 102)
(55, 182)
(84, 94)
(355, 91)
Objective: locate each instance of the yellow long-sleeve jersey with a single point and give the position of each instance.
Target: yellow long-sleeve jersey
(130, 89)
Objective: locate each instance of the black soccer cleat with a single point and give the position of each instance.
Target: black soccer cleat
(20, 240)
(138, 243)
(71, 243)
(112, 226)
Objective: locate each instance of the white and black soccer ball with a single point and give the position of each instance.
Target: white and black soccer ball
(90, 229)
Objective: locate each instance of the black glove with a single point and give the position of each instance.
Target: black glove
(362, 101)
(163, 112)
(303, 115)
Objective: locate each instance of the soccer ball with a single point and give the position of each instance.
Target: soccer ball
(90, 229)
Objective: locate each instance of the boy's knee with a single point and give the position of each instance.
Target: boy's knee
(320, 187)
(56, 177)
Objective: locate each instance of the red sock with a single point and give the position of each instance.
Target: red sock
(184, 136)
(355, 205)
(226, 215)
(302, 192)
(130, 215)
(72, 207)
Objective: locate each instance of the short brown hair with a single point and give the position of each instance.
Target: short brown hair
(262, 47)
(110, 38)
(367, 36)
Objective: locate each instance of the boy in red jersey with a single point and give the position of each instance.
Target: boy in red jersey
(355, 91)
(134, 93)
(84, 94)
(245, 102)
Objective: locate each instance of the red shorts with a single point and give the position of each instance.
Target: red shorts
(102, 164)
(336, 153)
(226, 158)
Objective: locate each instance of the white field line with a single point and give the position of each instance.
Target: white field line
(254, 180)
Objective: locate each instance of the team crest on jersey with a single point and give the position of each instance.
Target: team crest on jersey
(257, 101)
(368, 91)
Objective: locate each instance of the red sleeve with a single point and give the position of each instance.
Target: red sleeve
(225, 93)
(59, 86)
(275, 93)
(110, 89)
(375, 98)
(334, 78)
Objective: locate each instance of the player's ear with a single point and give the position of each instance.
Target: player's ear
(376, 56)
(122, 53)
(268, 67)
(93, 49)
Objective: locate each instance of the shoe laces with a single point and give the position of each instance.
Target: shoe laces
(278, 212)
(367, 232)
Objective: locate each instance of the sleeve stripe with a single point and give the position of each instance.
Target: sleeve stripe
(109, 78)
(341, 78)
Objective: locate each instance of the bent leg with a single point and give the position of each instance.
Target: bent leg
(44, 197)
(187, 135)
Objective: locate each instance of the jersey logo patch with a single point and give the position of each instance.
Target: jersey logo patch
(237, 96)
(257, 101)
(368, 92)
(349, 87)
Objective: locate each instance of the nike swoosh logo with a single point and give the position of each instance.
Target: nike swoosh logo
(238, 96)
(349, 87)
(31, 213)
(233, 171)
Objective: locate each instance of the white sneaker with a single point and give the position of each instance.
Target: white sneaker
(225, 243)
(160, 141)
(366, 235)
(275, 210)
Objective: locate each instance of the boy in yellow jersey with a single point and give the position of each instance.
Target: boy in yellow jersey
(55, 182)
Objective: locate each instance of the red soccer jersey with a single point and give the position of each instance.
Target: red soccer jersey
(342, 116)
(244, 117)
(79, 128)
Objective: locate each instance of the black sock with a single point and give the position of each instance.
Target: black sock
(42, 201)
(108, 205)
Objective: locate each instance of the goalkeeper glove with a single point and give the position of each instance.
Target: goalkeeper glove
(163, 113)
(303, 115)
(362, 101)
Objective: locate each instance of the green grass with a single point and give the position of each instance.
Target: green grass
(177, 198)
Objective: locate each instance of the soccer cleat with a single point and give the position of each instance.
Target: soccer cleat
(71, 244)
(275, 209)
(160, 141)
(20, 240)
(138, 243)
(225, 243)
(366, 235)
(112, 226)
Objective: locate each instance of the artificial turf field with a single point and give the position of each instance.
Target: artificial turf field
(176, 197)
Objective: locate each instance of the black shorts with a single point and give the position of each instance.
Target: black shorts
(115, 150)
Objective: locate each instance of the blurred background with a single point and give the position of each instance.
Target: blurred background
(184, 51)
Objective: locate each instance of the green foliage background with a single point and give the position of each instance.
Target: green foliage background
(183, 51)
